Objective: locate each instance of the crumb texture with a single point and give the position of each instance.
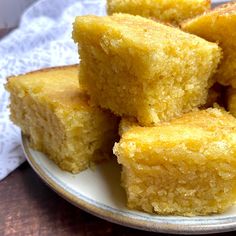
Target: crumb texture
(140, 68)
(168, 11)
(219, 26)
(50, 108)
(184, 167)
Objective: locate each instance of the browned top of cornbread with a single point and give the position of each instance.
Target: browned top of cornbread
(226, 8)
(218, 25)
(168, 11)
(209, 119)
(55, 86)
(192, 131)
(175, 138)
(143, 33)
(225, 11)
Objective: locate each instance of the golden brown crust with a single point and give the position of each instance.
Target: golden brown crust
(228, 7)
(218, 26)
(169, 11)
(45, 70)
(223, 9)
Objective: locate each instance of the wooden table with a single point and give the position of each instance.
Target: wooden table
(29, 207)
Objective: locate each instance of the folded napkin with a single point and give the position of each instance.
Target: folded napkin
(43, 39)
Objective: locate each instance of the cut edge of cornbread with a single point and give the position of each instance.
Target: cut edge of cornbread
(54, 113)
(184, 167)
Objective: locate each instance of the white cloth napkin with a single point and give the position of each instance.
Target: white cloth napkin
(43, 39)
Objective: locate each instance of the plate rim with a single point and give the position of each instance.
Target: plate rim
(124, 220)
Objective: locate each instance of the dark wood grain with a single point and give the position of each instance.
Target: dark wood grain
(29, 207)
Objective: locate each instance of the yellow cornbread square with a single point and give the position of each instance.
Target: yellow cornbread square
(140, 68)
(219, 26)
(168, 11)
(231, 101)
(49, 106)
(185, 167)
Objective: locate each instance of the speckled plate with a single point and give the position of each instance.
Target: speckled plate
(98, 192)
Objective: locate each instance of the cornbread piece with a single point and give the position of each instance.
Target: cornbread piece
(168, 11)
(185, 167)
(219, 26)
(140, 68)
(49, 106)
(231, 101)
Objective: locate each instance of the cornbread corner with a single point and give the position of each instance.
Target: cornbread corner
(50, 107)
(218, 25)
(185, 167)
(140, 68)
(231, 100)
(168, 11)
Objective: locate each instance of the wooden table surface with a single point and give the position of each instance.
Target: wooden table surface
(29, 207)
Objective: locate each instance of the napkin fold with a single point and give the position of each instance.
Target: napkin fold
(43, 39)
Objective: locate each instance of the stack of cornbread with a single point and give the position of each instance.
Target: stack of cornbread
(177, 147)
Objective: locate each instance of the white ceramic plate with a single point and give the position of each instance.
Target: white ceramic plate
(98, 191)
